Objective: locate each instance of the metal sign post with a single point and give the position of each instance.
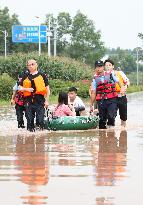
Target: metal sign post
(5, 36)
(49, 35)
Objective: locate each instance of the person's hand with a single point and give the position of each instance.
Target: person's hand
(12, 102)
(71, 107)
(91, 108)
(123, 90)
(95, 112)
(46, 104)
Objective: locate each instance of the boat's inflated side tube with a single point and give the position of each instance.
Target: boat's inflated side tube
(72, 123)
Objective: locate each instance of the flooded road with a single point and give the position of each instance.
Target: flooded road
(73, 168)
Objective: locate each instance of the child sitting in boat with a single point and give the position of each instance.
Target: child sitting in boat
(62, 109)
(75, 103)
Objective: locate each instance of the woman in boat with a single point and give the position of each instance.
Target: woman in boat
(62, 108)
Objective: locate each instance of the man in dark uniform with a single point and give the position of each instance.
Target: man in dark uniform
(105, 94)
(36, 91)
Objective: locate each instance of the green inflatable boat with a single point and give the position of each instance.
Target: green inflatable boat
(72, 123)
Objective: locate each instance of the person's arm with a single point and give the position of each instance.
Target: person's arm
(22, 89)
(68, 111)
(15, 88)
(92, 100)
(93, 95)
(12, 101)
(125, 79)
(71, 106)
(46, 96)
(90, 89)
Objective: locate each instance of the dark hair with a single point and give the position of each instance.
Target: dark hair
(98, 63)
(73, 89)
(108, 60)
(63, 98)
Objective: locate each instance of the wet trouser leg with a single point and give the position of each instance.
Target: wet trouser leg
(102, 114)
(122, 106)
(30, 114)
(40, 111)
(111, 105)
(20, 113)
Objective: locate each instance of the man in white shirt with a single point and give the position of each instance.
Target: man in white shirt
(75, 103)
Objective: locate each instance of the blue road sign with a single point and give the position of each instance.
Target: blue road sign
(29, 34)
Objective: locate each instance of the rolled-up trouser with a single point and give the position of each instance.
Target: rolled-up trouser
(107, 111)
(122, 106)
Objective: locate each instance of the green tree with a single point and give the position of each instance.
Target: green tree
(77, 37)
(123, 59)
(6, 22)
(64, 23)
(85, 40)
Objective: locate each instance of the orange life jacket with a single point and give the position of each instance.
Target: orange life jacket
(40, 88)
(106, 89)
(119, 76)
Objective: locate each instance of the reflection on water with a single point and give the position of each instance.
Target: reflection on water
(88, 167)
(80, 163)
(32, 162)
(111, 158)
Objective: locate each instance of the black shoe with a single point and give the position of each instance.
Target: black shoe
(21, 125)
(40, 128)
(31, 130)
(102, 127)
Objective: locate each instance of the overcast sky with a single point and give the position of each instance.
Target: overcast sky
(119, 21)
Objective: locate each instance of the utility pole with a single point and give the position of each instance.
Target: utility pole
(39, 34)
(49, 35)
(55, 39)
(137, 50)
(5, 36)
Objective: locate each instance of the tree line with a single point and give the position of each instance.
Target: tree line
(77, 38)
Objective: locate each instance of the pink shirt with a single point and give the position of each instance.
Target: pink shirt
(62, 110)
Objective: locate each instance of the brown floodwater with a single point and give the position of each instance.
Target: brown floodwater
(72, 168)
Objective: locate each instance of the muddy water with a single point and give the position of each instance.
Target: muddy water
(88, 168)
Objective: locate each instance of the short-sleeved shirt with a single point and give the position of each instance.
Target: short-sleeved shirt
(15, 87)
(78, 103)
(102, 77)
